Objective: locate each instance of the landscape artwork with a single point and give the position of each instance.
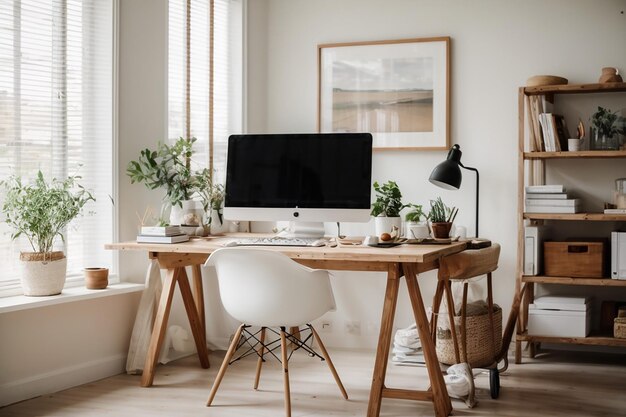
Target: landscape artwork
(396, 90)
(383, 95)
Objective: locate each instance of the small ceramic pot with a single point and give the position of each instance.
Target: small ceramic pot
(441, 230)
(96, 278)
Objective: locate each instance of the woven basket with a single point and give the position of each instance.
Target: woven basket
(479, 334)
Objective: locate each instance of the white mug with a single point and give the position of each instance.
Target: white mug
(573, 144)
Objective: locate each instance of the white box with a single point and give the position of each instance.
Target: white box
(559, 317)
(533, 245)
(618, 255)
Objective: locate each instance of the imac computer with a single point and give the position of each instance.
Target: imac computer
(306, 179)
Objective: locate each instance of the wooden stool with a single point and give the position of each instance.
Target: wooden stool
(458, 267)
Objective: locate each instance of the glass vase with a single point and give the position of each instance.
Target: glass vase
(601, 142)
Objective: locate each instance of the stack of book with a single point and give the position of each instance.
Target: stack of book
(161, 234)
(547, 131)
(407, 348)
(550, 199)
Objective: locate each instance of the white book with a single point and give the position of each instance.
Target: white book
(542, 189)
(614, 211)
(160, 230)
(553, 202)
(562, 299)
(533, 247)
(559, 306)
(162, 239)
(546, 196)
(553, 209)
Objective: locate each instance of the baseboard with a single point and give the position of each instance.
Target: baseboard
(60, 379)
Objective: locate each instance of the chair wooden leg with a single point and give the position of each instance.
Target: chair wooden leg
(229, 355)
(491, 319)
(283, 352)
(464, 322)
(329, 363)
(451, 315)
(436, 305)
(259, 362)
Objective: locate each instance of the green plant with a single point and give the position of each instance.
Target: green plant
(168, 167)
(41, 210)
(212, 195)
(440, 213)
(415, 213)
(388, 200)
(607, 123)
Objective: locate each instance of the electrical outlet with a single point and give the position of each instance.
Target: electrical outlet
(326, 327)
(353, 327)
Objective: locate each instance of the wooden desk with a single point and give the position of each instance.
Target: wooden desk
(401, 261)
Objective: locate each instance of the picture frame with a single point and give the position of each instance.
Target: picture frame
(398, 90)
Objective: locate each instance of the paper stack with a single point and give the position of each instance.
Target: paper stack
(550, 199)
(407, 349)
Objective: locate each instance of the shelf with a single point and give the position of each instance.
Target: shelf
(597, 340)
(575, 89)
(575, 155)
(596, 282)
(598, 217)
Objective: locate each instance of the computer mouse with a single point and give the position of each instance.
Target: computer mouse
(230, 244)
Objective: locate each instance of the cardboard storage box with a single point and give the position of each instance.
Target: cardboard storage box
(582, 259)
(559, 317)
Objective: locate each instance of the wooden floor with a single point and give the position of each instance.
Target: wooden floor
(553, 384)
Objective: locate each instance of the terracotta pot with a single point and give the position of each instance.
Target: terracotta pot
(610, 75)
(441, 230)
(42, 273)
(96, 278)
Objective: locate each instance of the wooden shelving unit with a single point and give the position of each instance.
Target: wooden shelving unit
(529, 163)
(592, 282)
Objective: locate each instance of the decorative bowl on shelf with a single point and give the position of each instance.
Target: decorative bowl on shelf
(539, 80)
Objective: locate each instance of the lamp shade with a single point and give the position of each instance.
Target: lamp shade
(448, 173)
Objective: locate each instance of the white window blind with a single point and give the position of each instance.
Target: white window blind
(56, 104)
(189, 110)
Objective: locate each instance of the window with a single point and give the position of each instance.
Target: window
(194, 85)
(56, 115)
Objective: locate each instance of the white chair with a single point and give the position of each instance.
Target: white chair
(263, 288)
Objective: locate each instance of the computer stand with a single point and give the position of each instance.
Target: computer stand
(303, 230)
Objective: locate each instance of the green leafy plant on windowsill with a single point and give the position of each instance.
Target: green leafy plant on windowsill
(388, 200)
(41, 211)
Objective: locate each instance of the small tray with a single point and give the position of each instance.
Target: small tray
(431, 241)
(387, 244)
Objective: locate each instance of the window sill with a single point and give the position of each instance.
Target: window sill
(21, 302)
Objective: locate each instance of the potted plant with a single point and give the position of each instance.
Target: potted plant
(386, 209)
(441, 218)
(169, 167)
(606, 125)
(41, 211)
(415, 227)
(212, 197)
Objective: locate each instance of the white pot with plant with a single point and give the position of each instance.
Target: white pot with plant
(41, 211)
(386, 209)
(416, 224)
(212, 196)
(170, 167)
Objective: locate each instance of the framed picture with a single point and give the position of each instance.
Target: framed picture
(397, 90)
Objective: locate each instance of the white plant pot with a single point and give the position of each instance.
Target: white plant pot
(179, 214)
(417, 230)
(42, 277)
(386, 224)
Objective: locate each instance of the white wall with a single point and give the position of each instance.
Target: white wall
(496, 46)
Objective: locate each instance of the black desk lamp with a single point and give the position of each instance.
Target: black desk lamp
(448, 174)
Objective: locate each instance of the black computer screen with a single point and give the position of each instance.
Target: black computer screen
(326, 170)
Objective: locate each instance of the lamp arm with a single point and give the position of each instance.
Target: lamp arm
(477, 193)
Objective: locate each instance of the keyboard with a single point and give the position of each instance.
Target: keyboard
(277, 241)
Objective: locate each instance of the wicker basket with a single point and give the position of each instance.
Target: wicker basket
(479, 334)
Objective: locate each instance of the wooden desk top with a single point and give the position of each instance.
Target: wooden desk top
(402, 253)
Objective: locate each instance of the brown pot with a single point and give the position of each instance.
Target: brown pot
(441, 230)
(96, 278)
(610, 75)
